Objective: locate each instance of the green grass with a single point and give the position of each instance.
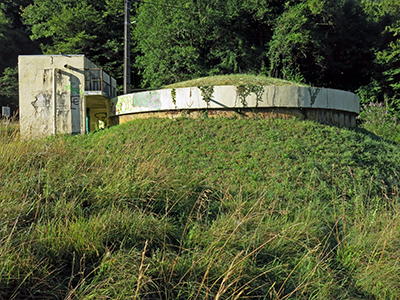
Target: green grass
(9, 131)
(378, 120)
(201, 209)
(233, 79)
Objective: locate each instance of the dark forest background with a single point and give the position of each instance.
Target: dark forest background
(346, 44)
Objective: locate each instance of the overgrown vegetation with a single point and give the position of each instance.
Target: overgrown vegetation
(231, 79)
(208, 208)
(201, 209)
(9, 131)
(345, 44)
(377, 119)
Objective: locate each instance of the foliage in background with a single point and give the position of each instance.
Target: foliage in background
(325, 43)
(383, 86)
(167, 38)
(14, 36)
(389, 60)
(8, 75)
(93, 28)
(3, 24)
(180, 40)
(201, 209)
(14, 40)
(9, 88)
(344, 44)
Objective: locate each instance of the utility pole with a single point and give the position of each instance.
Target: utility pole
(127, 49)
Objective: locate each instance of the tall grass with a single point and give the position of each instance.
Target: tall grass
(201, 209)
(376, 118)
(9, 130)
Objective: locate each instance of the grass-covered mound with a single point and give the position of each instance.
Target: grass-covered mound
(201, 209)
(232, 79)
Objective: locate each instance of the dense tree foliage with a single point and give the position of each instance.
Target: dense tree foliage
(14, 40)
(9, 88)
(348, 44)
(384, 81)
(325, 43)
(93, 28)
(183, 39)
(389, 59)
(14, 35)
(344, 44)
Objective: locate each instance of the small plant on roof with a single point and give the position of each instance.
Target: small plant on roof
(173, 95)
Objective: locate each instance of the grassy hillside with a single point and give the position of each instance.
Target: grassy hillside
(201, 209)
(232, 79)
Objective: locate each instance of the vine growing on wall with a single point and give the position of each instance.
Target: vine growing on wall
(313, 94)
(173, 96)
(207, 93)
(244, 91)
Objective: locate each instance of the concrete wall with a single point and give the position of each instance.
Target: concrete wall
(50, 95)
(324, 116)
(234, 97)
(53, 99)
(323, 105)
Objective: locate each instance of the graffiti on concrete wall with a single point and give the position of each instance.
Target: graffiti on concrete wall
(62, 111)
(74, 87)
(62, 103)
(130, 103)
(67, 103)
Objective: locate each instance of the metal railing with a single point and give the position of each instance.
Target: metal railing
(96, 80)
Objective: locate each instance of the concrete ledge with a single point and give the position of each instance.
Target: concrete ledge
(323, 105)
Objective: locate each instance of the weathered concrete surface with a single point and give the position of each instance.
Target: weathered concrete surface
(329, 117)
(52, 96)
(39, 115)
(323, 105)
(231, 97)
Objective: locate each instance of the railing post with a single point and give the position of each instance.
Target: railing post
(101, 81)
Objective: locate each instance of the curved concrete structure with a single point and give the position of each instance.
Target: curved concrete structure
(324, 105)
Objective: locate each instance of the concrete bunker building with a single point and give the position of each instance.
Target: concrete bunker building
(68, 94)
(63, 94)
